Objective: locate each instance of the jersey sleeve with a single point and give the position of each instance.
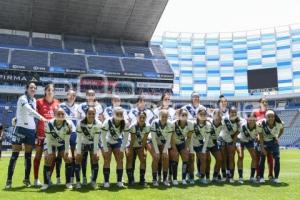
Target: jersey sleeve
(24, 103)
(125, 138)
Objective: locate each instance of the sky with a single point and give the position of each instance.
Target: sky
(208, 16)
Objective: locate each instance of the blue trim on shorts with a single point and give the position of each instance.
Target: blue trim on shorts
(23, 135)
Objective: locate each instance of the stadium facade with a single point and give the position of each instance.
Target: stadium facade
(217, 63)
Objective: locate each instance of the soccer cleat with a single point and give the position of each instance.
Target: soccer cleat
(192, 182)
(142, 183)
(231, 180)
(271, 178)
(78, 185)
(37, 183)
(94, 185)
(203, 181)
(58, 181)
(27, 183)
(69, 186)
(261, 180)
(175, 182)
(183, 182)
(8, 184)
(276, 180)
(84, 181)
(106, 185)
(252, 180)
(120, 184)
(166, 183)
(155, 183)
(45, 187)
(159, 179)
(241, 180)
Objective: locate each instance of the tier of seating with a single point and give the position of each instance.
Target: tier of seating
(70, 43)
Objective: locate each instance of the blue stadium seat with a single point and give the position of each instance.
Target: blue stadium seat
(29, 58)
(75, 42)
(4, 58)
(67, 61)
(136, 47)
(105, 64)
(108, 47)
(47, 44)
(138, 66)
(163, 67)
(157, 51)
(14, 40)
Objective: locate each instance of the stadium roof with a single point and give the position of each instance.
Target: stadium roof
(114, 19)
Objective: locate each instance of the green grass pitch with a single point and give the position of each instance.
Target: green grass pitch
(289, 188)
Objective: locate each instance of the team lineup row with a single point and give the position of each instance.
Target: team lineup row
(69, 132)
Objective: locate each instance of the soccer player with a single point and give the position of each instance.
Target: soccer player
(271, 133)
(24, 132)
(165, 102)
(140, 107)
(202, 129)
(70, 108)
(82, 108)
(223, 106)
(114, 138)
(194, 106)
(260, 115)
(58, 132)
(246, 139)
(181, 145)
(116, 102)
(139, 132)
(228, 136)
(45, 107)
(213, 144)
(132, 117)
(88, 134)
(161, 133)
(192, 109)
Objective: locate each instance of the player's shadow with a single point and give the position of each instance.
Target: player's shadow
(18, 189)
(248, 183)
(54, 189)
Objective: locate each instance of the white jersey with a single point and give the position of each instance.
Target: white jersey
(181, 133)
(161, 135)
(133, 114)
(230, 128)
(108, 113)
(201, 132)
(71, 113)
(268, 133)
(140, 133)
(56, 137)
(171, 111)
(88, 134)
(26, 112)
(246, 134)
(192, 111)
(82, 108)
(112, 134)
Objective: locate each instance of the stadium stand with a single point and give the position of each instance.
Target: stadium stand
(29, 58)
(60, 61)
(105, 64)
(75, 42)
(47, 44)
(138, 66)
(3, 57)
(133, 48)
(108, 47)
(10, 40)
